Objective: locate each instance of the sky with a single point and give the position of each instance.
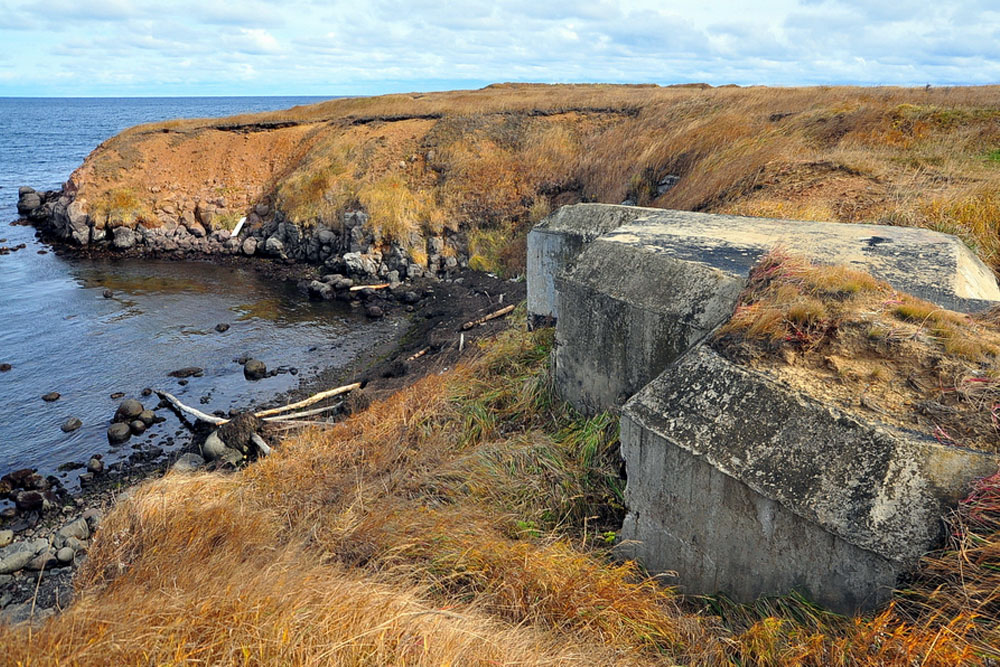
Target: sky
(309, 47)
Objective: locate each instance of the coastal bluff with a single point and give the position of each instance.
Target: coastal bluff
(739, 483)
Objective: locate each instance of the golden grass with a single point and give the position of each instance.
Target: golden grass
(463, 521)
(887, 347)
(498, 158)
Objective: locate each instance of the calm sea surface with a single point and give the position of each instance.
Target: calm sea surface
(60, 334)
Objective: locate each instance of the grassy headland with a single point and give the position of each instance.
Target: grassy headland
(492, 162)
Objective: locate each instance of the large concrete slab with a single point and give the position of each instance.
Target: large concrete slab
(741, 485)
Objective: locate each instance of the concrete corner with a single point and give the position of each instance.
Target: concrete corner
(743, 486)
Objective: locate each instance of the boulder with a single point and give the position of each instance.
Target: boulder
(77, 528)
(51, 396)
(118, 433)
(196, 229)
(255, 369)
(65, 555)
(128, 410)
(71, 425)
(320, 291)
(95, 466)
(28, 201)
(124, 238)
(274, 246)
(249, 246)
(188, 462)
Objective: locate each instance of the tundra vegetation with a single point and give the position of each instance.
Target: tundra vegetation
(469, 519)
(489, 163)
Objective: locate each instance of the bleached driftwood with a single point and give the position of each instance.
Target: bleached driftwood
(358, 288)
(486, 318)
(304, 413)
(198, 414)
(261, 445)
(417, 355)
(315, 398)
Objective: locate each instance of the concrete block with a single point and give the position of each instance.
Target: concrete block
(741, 485)
(556, 242)
(625, 314)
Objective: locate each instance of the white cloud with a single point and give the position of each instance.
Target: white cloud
(307, 46)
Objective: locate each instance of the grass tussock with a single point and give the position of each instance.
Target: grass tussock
(907, 360)
(465, 520)
(494, 160)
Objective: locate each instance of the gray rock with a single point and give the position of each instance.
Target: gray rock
(249, 246)
(30, 501)
(51, 396)
(137, 426)
(16, 556)
(215, 449)
(147, 417)
(128, 410)
(374, 312)
(71, 425)
(95, 466)
(195, 229)
(222, 327)
(65, 555)
(43, 561)
(188, 462)
(76, 544)
(261, 209)
(254, 369)
(118, 433)
(87, 478)
(124, 238)
(274, 246)
(320, 290)
(6, 537)
(93, 518)
(77, 528)
(28, 202)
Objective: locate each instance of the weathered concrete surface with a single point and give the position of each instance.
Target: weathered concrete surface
(741, 485)
(625, 314)
(933, 266)
(648, 284)
(556, 242)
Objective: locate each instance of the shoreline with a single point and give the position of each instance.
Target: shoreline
(429, 313)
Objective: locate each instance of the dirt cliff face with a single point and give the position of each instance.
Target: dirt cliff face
(457, 178)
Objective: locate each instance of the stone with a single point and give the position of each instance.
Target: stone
(6, 537)
(147, 417)
(222, 327)
(274, 246)
(741, 485)
(320, 290)
(71, 425)
(254, 369)
(52, 396)
(118, 433)
(214, 449)
(28, 202)
(93, 518)
(137, 426)
(65, 555)
(76, 544)
(196, 229)
(29, 501)
(128, 410)
(95, 465)
(188, 462)
(77, 528)
(374, 312)
(4, 367)
(249, 246)
(43, 561)
(86, 479)
(187, 371)
(124, 238)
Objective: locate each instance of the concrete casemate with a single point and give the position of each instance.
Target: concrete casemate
(738, 484)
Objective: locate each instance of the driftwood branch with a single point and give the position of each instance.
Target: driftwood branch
(198, 414)
(315, 398)
(304, 413)
(358, 288)
(417, 355)
(261, 445)
(486, 318)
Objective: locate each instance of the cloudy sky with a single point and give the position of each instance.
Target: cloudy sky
(311, 47)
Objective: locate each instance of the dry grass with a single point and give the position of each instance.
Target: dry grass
(463, 521)
(497, 158)
(843, 335)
